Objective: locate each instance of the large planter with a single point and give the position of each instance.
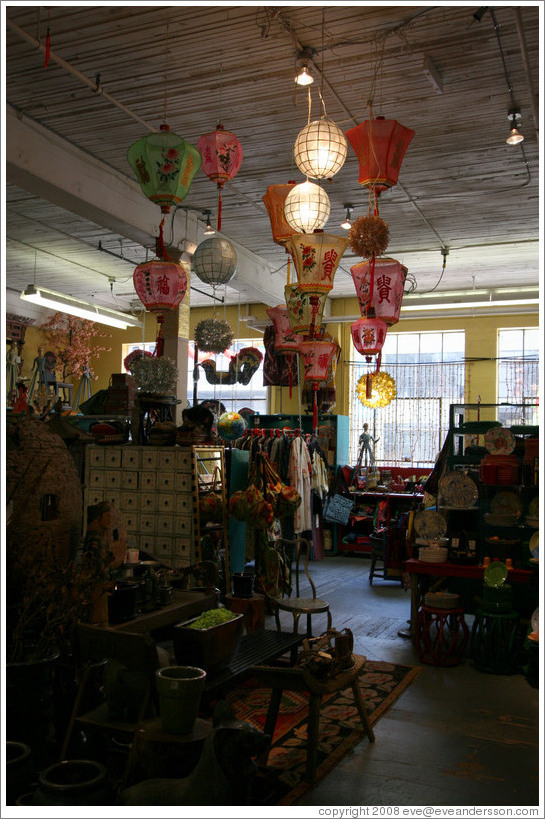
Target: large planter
(180, 690)
(19, 770)
(210, 648)
(74, 782)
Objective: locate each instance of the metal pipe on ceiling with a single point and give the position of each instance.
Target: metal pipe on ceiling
(526, 65)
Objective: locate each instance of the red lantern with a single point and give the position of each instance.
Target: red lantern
(369, 335)
(316, 257)
(221, 158)
(379, 285)
(160, 284)
(284, 339)
(274, 201)
(380, 146)
(317, 359)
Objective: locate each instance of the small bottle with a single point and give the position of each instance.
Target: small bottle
(486, 562)
(509, 563)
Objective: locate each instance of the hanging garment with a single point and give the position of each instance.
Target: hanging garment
(300, 476)
(320, 482)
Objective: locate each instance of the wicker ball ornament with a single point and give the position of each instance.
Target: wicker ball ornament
(369, 236)
(383, 390)
(213, 335)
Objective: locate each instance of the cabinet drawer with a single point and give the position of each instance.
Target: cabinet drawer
(148, 481)
(113, 496)
(166, 460)
(147, 523)
(183, 525)
(146, 541)
(149, 459)
(184, 504)
(131, 458)
(112, 478)
(96, 478)
(164, 549)
(166, 502)
(183, 482)
(184, 460)
(166, 481)
(183, 547)
(94, 496)
(112, 457)
(129, 479)
(95, 455)
(133, 521)
(165, 524)
(129, 502)
(148, 502)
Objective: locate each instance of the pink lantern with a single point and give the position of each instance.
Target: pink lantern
(380, 146)
(317, 359)
(316, 257)
(274, 200)
(379, 285)
(369, 335)
(284, 339)
(160, 284)
(305, 310)
(221, 158)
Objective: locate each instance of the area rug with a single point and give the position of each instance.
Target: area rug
(381, 683)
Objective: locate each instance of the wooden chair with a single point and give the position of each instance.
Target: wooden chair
(296, 679)
(297, 605)
(126, 664)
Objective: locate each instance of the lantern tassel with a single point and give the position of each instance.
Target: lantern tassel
(160, 248)
(368, 386)
(159, 341)
(47, 48)
(219, 207)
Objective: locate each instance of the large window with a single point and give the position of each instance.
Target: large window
(429, 372)
(518, 374)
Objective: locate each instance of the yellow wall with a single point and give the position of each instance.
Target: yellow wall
(480, 334)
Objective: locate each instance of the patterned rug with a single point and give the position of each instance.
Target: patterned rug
(340, 728)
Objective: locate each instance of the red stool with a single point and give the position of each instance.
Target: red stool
(441, 635)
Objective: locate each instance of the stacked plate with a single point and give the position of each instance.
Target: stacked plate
(441, 600)
(433, 554)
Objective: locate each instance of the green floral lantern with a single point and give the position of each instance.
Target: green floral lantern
(164, 164)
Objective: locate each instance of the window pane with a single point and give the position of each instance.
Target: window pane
(431, 346)
(235, 396)
(510, 342)
(409, 345)
(454, 347)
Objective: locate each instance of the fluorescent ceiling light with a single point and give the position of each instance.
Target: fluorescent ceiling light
(464, 304)
(76, 307)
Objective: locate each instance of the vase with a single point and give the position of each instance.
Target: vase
(74, 782)
(180, 690)
(19, 770)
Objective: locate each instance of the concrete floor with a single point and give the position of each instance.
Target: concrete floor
(456, 737)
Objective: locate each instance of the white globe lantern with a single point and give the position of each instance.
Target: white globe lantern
(306, 207)
(215, 261)
(320, 149)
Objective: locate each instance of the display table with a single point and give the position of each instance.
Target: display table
(418, 569)
(184, 606)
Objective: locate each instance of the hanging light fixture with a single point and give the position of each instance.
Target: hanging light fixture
(307, 207)
(316, 258)
(76, 307)
(379, 285)
(274, 200)
(303, 76)
(514, 135)
(380, 146)
(209, 230)
(347, 224)
(320, 149)
(215, 261)
(317, 357)
(221, 154)
(380, 393)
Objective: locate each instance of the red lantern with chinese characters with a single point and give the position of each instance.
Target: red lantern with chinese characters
(221, 158)
(369, 335)
(317, 357)
(305, 310)
(316, 257)
(274, 200)
(380, 146)
(379, 286)
(284, 339)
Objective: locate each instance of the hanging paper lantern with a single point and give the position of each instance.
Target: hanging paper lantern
(316, 258)
(320, 149)
(160, 284)
(307, 207)
(369, 335)
(379, 286)
(284, 339)
(274, 200)
(382, 389)
(305, 310)
(221, 158)
(317, 357)
(164, 164)
(231, 425)
(215, 261)
(380, 146)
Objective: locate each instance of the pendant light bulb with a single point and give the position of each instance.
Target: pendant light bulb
(347, 224)
(515, 136)
(209, 230)
(304, 77)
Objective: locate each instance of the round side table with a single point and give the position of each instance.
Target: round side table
(493, 641)
(441, 635)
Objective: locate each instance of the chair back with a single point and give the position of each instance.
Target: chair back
(296, 546)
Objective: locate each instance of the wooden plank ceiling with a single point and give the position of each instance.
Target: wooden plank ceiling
(461, 187)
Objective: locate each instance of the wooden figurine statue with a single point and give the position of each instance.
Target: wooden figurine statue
(367, 449)
(13, 361)
(39, 377)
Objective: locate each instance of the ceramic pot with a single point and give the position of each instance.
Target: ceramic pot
(19, 770)
(180, 690)
(243, 584)
(74, 782)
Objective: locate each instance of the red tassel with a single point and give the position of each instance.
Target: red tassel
(289, 362)
(159, 341)
(368, 387)
(219, 208)
(315, 409)
(47, 48)
(160, 248)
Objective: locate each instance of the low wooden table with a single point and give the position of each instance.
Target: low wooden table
(184, 606)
